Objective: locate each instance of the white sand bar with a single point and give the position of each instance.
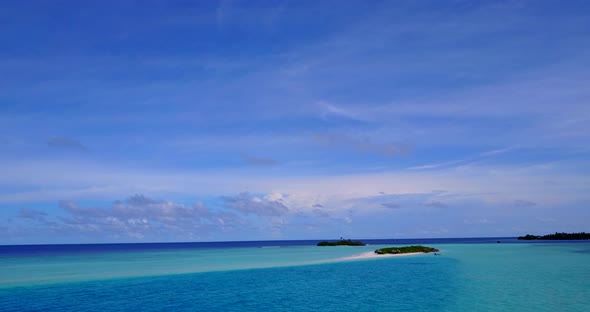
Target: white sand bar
(372, 254)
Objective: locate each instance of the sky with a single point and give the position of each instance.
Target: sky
(159, 121)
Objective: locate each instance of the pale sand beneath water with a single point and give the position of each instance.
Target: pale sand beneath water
(372, 254)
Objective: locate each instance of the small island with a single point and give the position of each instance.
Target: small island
(342, 242)
(405, 250)
(557, 236)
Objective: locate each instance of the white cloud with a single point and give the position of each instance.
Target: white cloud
(271, 205)
(137, 217)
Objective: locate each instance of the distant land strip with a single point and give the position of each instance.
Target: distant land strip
(342, 242)
(557, 236)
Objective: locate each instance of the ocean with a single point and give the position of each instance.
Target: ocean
(471, 274)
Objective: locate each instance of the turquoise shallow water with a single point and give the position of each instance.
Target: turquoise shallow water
(35, 270)
(467, 277)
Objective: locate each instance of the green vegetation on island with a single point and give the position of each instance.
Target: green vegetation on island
(405, 250)
(342, 242)
(557, 236)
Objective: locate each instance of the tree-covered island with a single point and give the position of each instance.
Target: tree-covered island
(405, 250)
(342, 242)
(557, 236)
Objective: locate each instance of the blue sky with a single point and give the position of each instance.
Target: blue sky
(147, 121)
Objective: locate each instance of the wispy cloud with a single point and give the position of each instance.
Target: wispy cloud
(477, 221)
(479, 157)
(439, 165)
(259, 161)
(66, 143)
(436, 204)
(388, 149)
(524, 203)
(329, 109)
(28, 213)
(50, 180)
(496, 152)
(390, 205)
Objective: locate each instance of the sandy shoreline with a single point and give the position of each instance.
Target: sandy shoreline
(372, 255)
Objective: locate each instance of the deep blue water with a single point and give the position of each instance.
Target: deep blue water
(41, 250)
